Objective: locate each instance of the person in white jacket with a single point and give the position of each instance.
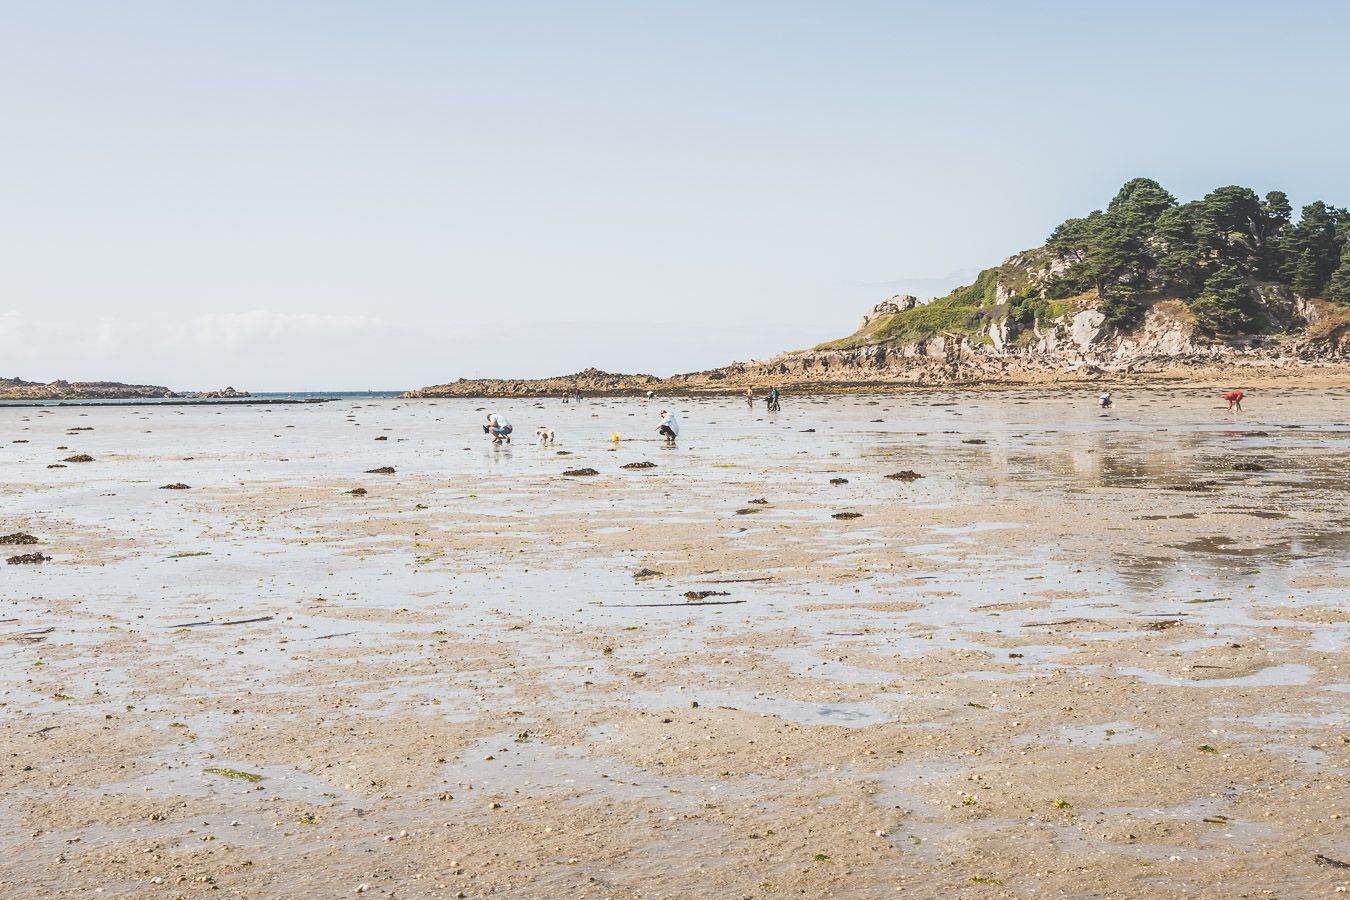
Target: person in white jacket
(670, 426)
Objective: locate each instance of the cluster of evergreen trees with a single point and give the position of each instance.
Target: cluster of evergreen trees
(1210, 252)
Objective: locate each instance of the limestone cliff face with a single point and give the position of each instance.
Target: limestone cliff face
(1004, 327)
(1079, 345)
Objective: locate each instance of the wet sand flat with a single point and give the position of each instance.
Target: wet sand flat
(1082, 655)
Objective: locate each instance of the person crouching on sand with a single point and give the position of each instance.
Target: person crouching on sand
(1234, 399)
(498, 426)
(670, 426)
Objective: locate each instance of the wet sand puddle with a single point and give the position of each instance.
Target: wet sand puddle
(1042, 624)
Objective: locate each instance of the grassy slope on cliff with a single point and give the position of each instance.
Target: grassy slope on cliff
(966, 311)
(1209, 254)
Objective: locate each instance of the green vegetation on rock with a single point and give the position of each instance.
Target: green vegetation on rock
(233, 773)
(1219, 256)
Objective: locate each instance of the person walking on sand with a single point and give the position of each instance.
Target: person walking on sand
(670, 426)
(499, 427)
(1234, 399)
(773, 400)
(750, 397)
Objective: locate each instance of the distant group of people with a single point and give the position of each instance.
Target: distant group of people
(499, 427)
(1234, 399)
(770, 400)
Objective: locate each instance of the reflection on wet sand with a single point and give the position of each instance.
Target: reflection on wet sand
(1053, 658)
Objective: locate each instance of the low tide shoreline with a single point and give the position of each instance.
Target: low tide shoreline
(1305, 376)
(935, 644)
(153, 401)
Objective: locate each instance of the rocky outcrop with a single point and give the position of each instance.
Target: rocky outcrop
(1080, 346)
(1030, 268)
(590, 382)
(1008, 327)
(888, 307)
(18, 389)
(223, 393)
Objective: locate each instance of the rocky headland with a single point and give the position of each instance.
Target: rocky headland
(1078, 345)
(1226, 286)
(18, 389)
(591, 382)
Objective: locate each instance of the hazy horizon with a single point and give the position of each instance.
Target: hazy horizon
(339, 195)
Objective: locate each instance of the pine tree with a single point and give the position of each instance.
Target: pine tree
(1226, 305)
(1311, 248)
(1338, 288)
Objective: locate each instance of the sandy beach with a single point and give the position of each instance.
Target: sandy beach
(1080, 655)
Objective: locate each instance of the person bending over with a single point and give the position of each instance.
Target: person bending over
(499, 427)
(670, 426)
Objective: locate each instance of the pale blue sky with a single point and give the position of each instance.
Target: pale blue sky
(391, 194)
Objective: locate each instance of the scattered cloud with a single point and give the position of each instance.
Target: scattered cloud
(238, 329)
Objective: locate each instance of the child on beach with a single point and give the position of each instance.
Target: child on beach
(499, 427)
(1234, 399)
(670, 426)
(1105, 400)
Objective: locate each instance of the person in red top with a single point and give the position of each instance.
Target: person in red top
(1234, 399)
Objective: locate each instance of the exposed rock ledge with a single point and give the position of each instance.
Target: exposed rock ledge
(1077, 347)
(592, 382)
(18, 389)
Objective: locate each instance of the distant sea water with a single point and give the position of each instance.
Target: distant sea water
(270, 396)
(334, 395)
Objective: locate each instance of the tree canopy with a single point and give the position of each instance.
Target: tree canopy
(1210, 252)
(1225, 256)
